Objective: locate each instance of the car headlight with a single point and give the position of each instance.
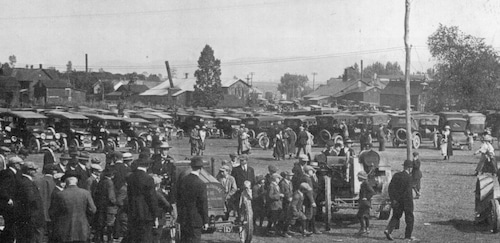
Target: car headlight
(72, 130)
(94, 138)
(43, 136)
(149, 138)
(13, 138)
(128, 138)
(58, 136)
(102, 130)
(82, 137)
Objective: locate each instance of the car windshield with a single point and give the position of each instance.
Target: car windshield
(113, 124)
(79, 123)
(35, 122)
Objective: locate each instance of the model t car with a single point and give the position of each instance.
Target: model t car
(30, 128)
(72, 127)
(294, 122)
(187, 122)
(227, 126)
(333, 126)
(139, 133)
(259, 127)
(398, 126)
(106, 133)
(163, 122)
(371, 121)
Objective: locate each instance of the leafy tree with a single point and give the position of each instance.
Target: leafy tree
(208, 87)
(292, 85)
(5, 70)
(467, 71)
(12, 61)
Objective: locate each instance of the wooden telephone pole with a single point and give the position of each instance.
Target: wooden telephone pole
(409, 139)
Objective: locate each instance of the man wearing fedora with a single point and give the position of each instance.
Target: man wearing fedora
(30, 221)
(193, 203)
(164, 167)
(62, 166)
(142, 204)
(9, 178)
(81, 168)
(401, 195)
(46, 185)
(70, 210)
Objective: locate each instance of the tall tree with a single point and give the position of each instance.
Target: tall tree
(208, 87)
(292, 85)
(12, 61)
(467, 71)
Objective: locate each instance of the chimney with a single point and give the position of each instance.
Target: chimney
(186, 75)
(86, 63)
(169, 75)
(345, 75)
(361, 69)
(41, 66)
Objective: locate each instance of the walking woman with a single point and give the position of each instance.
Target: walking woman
(446, 145)
(279, 149)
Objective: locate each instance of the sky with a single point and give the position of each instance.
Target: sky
(265, 37)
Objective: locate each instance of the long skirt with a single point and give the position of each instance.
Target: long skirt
(444, 148)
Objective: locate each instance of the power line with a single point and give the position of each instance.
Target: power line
(151, 12)
(243, 62)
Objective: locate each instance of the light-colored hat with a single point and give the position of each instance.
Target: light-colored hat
(225, 168)
(127, 156)
(96, 167)
(165, 145)
(15, 160)
(447, 127)
(308, 168)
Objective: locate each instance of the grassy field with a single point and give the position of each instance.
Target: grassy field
(444, 212)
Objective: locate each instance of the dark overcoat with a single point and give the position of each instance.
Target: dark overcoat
(70, 211)
(192, 202)
(141, 195)
(241, 176)
(46, 186)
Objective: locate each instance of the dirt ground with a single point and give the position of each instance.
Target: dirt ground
(444, 212)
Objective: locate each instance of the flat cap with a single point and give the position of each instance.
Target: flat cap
(15, 160)
(4, 149)
(415, 153)
(95, 167)
(127, 156)
(362, 175)
(272, 169)
(308, 168)
(165, 145)
(65, 156)
(408, 163)
(225, 168)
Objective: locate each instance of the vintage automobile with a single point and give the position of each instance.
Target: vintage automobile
(8, 140)
(163, 122)
(493, 123)
(30, 128)
(370, 121)
(258, 128)
(458, 132)
(218, 219)
(340, 185)
(106, 133)
(187, 121)
(428, 125)
(475, 123)
(228, 126)
(294, 122)
(446, 115)
(329, 127)
(139, 132)
(73, 128)
(397, 124)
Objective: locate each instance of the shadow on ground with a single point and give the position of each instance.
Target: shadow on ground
(465, 226)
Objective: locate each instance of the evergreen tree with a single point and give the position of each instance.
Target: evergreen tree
(208, 87)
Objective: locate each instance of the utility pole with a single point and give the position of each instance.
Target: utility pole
(314, 78)
(251, 78)
(409, 138)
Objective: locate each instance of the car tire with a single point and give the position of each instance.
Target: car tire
(416, 141)
(34, 145)
(134, 146)
(325, 135)
(74, 143)
(100, 146)
(64, 145)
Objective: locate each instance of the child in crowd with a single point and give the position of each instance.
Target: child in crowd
(366, 193)
(259, 200)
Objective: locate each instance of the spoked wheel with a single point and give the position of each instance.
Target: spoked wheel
(100, 146)
(134, 146)
(110, 145)
(264, 142)
(416, 142)
(34, 145)
(74, 143)
(64, 145)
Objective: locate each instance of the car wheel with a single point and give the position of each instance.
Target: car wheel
(64, 145)
(134, 146)
(325, 135)
(34, 145)
(100, 146)
(264, 142)
(110, 145)
(416, 142)
(74, 143)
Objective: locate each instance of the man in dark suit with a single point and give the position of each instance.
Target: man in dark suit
(243, 173)
(81, 168)
(302, 138)
(193, 203)
(46, 185)
(9, 180)
(142, 204)
(122, 170)
(29, 210)
(70, 210)
(401, 195)
(62, 166)
(105, 201)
